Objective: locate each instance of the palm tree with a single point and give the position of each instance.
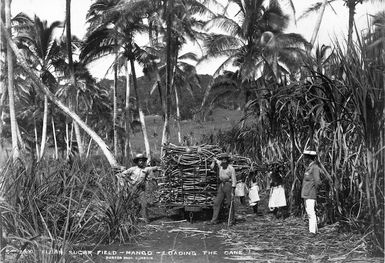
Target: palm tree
(255, 43)
(181, 25)
(73, 79)
(26, 67)
(113, 27)
(36, 38)
(185, 76)
(10, 58)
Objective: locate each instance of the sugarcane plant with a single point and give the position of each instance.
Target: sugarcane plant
(336, 106)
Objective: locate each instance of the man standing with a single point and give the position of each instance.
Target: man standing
(136, 178)
(310, 184)
(226, 187)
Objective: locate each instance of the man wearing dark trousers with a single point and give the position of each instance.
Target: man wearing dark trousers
(226, 187)
(137, 176)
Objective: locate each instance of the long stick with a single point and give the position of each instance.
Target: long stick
(230, 210)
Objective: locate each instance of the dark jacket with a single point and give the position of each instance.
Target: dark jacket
(311, 181)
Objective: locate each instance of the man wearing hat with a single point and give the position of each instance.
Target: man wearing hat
(226, 187)
(136, 177)
(311, 182)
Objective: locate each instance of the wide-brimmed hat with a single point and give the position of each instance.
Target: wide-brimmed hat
(224, 156)
(139, 156)
(310, 152)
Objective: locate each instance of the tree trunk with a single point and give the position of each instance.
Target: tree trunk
(44, 130)
(115, 107)
(54, 138)
(127, 150)
(178, 117)
(141, 114)
(11, 98)
(352, 9)
(159, 85)
(3, 88)
(292, 161)
(23, 63)
(72, 72)
(166, 128)
(36, 139)
(68, 149)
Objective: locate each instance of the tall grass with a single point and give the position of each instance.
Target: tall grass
(56, 206)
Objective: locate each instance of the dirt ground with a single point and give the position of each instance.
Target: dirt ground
(254, 238)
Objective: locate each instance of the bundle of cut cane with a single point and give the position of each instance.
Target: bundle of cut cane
(188, 178)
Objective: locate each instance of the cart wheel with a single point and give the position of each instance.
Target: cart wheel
(191, 214)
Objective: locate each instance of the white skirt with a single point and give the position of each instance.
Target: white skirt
(240, 189)
(253, 195)
(277, 197)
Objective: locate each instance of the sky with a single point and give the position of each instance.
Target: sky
(333, 25)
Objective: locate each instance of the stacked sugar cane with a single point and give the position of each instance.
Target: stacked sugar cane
(188, 178)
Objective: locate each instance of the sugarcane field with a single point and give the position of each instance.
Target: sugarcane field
(192, 131)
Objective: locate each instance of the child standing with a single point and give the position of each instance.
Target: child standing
(240, 191)
(253, 194)
(277, 198)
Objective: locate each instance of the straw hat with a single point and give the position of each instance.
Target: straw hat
(139, 156)
(224, 156)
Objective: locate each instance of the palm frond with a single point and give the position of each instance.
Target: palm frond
(216, 45)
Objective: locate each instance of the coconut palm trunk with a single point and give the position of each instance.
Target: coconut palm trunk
(115, 109)
(166, 128)
(141, 114)
(351, 4)
(11, 96)
(127, 148)
(44, 129)
(3, 88)
(159, 86)
(54, 138)
(24, 65)
(72, 72)
(178, 117)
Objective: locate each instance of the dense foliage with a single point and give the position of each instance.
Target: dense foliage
(292, 98)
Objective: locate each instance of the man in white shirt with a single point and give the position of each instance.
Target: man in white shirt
(136, 177)
(226, 187)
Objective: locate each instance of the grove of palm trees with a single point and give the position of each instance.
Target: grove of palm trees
(65, 134)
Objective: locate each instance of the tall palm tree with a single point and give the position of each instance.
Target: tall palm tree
(181, 25)
(185, 76)
(73, 79)
(113, 27)
(10, 58)
(36, 38)
(254, 42)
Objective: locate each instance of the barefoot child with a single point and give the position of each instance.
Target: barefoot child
(253, 194)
